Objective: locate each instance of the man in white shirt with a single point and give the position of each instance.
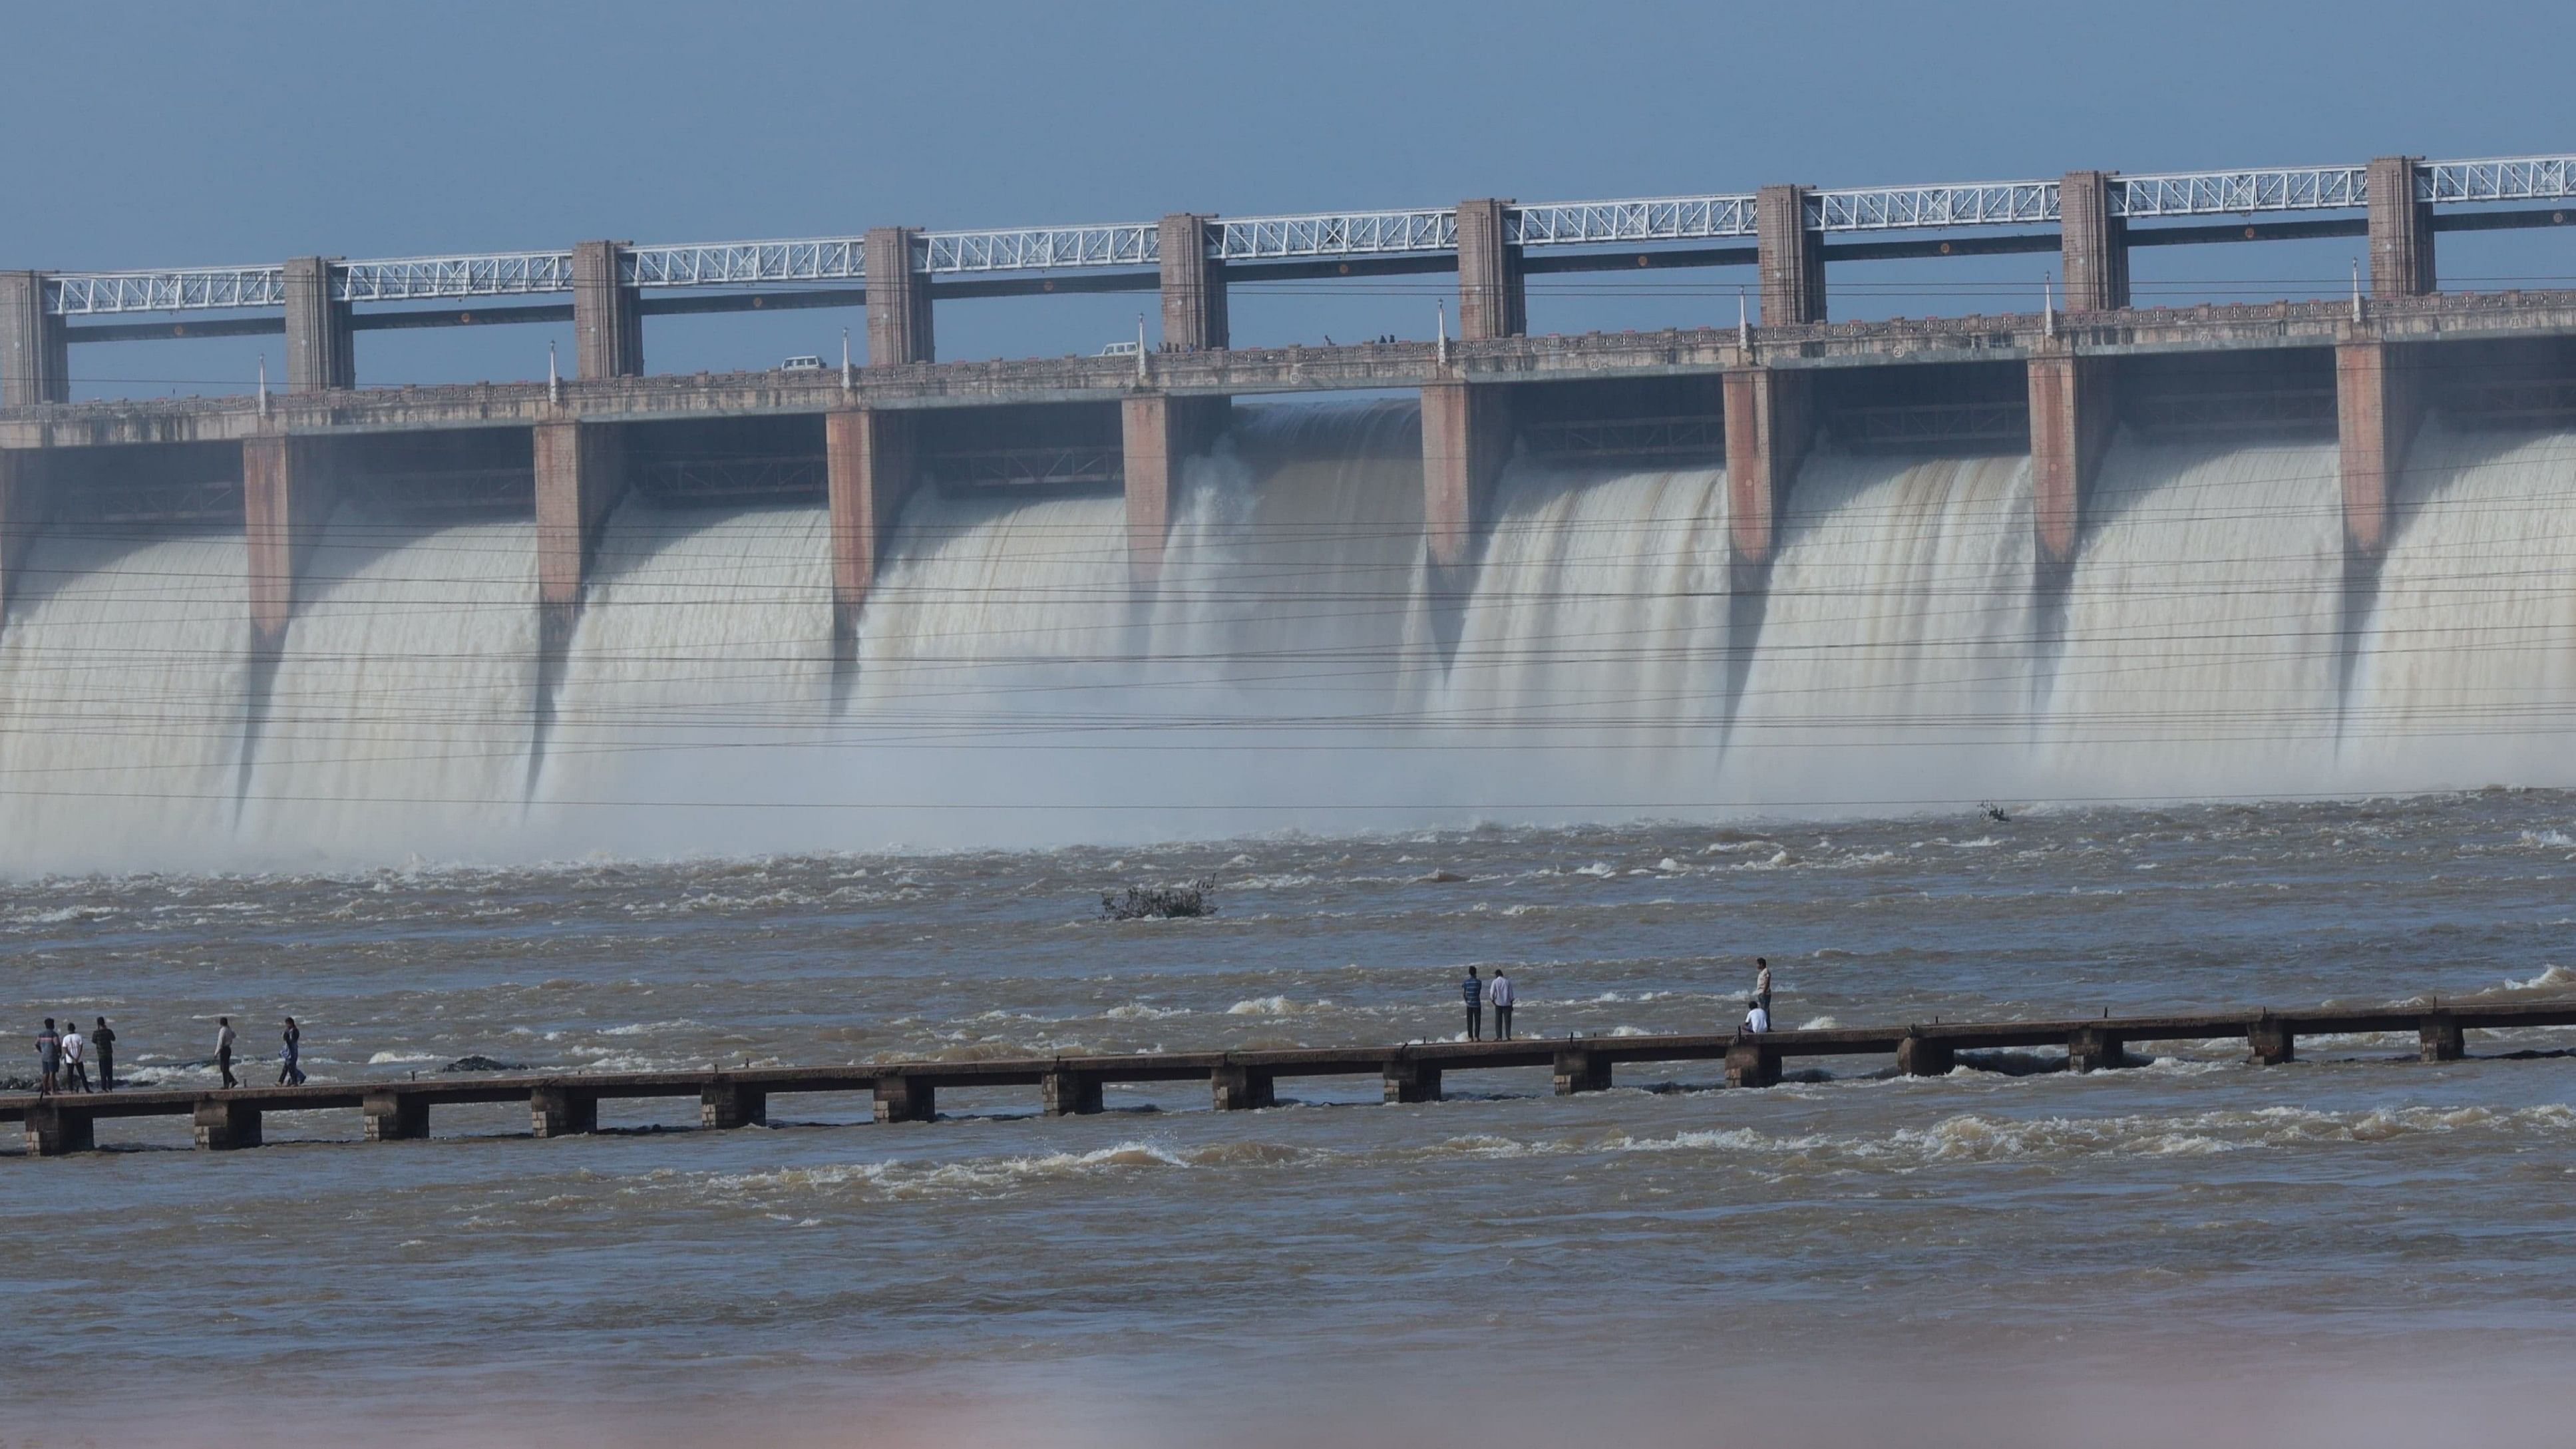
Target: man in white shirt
(1500, 993)
(75, 1075)
(224, 1048)
(1757, 1018)
(1762, 982)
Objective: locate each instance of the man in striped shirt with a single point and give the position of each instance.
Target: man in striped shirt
(1474, 991)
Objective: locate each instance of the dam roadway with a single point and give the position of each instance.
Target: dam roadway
(907, 1091)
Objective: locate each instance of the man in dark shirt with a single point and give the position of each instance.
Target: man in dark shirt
(49, 1059)
(105, 1041)
(1474, 990)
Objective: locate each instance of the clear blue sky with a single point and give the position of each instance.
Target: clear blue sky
(144, 134)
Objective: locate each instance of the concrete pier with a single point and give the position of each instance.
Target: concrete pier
(35, 356)
(1577, 1070)
(321, 349)
(2438, 1038)
(2093, 244)
(1752, 1061)
(2401, 230)
(580, 475)
(287, 497)
(2072, 416)
(899, 331)
(869, 467)
(226, 1125)
(2379, 401)
(395, 1116)
(2096, 1048)
(556, 1110)
(1410, 1079)
(1920, 1056)
(724, 1104)
(1770, 423)
(1193, 285)
(905, 1097)
(1792, 257)
(1234, 1087)
(1158, 432)
(1493, 300)
(1067, 1093)
(607, 317)
(2269, 1042)
(1466, 439)
(53, 1128)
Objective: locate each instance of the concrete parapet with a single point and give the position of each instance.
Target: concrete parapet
(2093, 244)
(2269, 1042)
(899, 330)
(1920, 1056)
(321, 350)
(1492, 300)
(869, 465)
(1466, 440)
(1770, 422)
(2092, 1049)
(560, 1111)
(2439, 1038)
(724, 1104)
(2378, 403)
(1194, 315)
(1070, 1093)
(1578, 1070)
(225, 1126)
(580, 475)
(607, 322)
(2401, 230)
(1409, 1079)
(1752, 1062)
(903, 1098)
(395, 1116)
(23, 502)
(1242, 1089)
(288, 493)
(54, 1128)
(2072, 416)
(35, 350)
(1157, 431)
(1792, 257)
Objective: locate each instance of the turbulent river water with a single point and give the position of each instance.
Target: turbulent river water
(1591, 758)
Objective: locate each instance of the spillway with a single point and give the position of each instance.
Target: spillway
(1299, 664)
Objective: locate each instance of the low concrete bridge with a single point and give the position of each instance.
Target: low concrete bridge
(907, 1091)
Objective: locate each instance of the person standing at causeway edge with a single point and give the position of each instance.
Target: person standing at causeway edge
(224, 1048)
(1762, 982)
(49, 1059)
(1500, 993)
(1474, 991)
(288, 1073)
(75, 1075)
(105, 1041)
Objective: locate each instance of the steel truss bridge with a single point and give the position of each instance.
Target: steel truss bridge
(1417, 233)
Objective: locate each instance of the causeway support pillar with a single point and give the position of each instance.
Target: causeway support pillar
(724, 1104)
(2268, 1042)
(1578, 1070)
(2401, 230)
(1492, 302)
(288, 492)
(35, 351)
(1769, 424)
(559, 1111)
(1466, 439)
(1411, 1080)
(581, 473)
(2093, 243)
(1194, 317)
(1920, 1056)
(868, 463)
(898, 300)
(226, 1126)
(1792, 257)
(1070, 1093)
(2439, 1039)
(2378, 403)
(1158, 432)
(320, 347)
(2072, 414)
(395, 1116)
(1242, 1089)
(906, 1099)
(607, 322)
(54, 1129)
(1751, 1062)
(2091, 1049)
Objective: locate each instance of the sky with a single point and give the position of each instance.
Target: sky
(164, 134)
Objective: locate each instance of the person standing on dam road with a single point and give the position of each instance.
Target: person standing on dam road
(288, 1073)
(75, 1057)
(224, 1048)
(1762, 982)
(1474, 990)
(105, 1040)
(1500, 993)
(49, 1059)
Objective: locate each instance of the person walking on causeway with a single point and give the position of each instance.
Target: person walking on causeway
(288, 1073)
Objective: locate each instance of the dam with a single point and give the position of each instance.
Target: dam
(2089, 551)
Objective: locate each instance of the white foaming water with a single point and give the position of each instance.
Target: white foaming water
(1298, 663)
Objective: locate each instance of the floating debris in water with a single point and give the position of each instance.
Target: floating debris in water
(1165, 902)
(482, 1064)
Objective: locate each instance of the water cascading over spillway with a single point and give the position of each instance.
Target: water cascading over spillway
(1298, 664)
